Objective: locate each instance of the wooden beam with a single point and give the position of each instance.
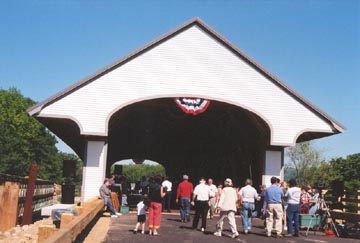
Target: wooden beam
(28, 211)
(45, 231)
(70, 231)
(65, 219)
(349, 217)
(9, 196)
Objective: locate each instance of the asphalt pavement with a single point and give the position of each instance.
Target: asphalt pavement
(172, 230)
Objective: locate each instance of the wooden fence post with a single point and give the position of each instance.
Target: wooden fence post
(27, 217)
(358, 201)
(45, 231)
(9, 196)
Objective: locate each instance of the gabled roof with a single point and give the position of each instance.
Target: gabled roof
(195, 21)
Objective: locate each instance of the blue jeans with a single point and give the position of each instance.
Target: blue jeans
(184, 208)
(109, 205)
(246, 212)
(292, 214)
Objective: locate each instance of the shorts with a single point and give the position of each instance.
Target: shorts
(141, 218)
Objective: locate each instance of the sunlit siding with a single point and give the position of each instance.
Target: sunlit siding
(191, 63)
(94, 170)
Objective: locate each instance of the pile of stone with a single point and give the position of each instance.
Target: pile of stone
(24, 234)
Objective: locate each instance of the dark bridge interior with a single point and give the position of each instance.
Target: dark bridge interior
(224, 141)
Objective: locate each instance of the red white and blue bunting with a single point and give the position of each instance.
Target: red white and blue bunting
(192, 106)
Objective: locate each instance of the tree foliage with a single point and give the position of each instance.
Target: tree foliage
(303, 160)
(347, 170)
(24, 141)
(305, 165)
(135, 172)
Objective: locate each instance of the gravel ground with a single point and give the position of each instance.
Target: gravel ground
(23, 234)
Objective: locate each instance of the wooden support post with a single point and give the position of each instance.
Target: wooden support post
(27, 217)
(115, 201)
(79, 209)
(45, 231)
(65, 219)
(9, 196)
(358, 201)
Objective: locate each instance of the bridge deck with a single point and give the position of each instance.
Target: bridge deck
(172, 230)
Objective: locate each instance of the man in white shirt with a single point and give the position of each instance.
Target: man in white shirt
(200, 200)
(292, 212)
(248, 195)
(212, 202)
(167, 186)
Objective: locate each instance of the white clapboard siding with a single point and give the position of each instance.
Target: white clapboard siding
(191, 63)
(94, 169)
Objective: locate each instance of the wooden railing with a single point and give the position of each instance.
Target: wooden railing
(13, 193)
(351, 207)
(71, 226)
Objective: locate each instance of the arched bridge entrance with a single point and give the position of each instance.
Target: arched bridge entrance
(224, 141)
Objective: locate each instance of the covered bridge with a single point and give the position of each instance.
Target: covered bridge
(189, 100)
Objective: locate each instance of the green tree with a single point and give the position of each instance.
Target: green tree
(303, 160)
(347, 170)
(24, 141)
(135, 172)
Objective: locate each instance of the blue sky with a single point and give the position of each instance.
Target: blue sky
(313, 46)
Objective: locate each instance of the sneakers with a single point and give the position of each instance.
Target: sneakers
(142, 232)
(114, 216)
(235, 235)
(246, 232)
(118, 214)
(202, 229)
(217, 233)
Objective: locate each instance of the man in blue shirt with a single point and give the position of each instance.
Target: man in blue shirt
(274, 208)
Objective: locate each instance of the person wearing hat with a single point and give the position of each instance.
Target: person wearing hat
(184, 191)
(200, 200)
(227, 207)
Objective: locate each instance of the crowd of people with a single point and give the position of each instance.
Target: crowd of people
(280, 204)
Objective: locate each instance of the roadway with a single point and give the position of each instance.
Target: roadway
(173, 230)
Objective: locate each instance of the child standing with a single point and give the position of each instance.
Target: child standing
(141, 216)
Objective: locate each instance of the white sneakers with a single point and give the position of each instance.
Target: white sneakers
(217, 233)
(116, 215)
(202, 229)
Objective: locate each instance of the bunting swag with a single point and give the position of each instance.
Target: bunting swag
(192, 106)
